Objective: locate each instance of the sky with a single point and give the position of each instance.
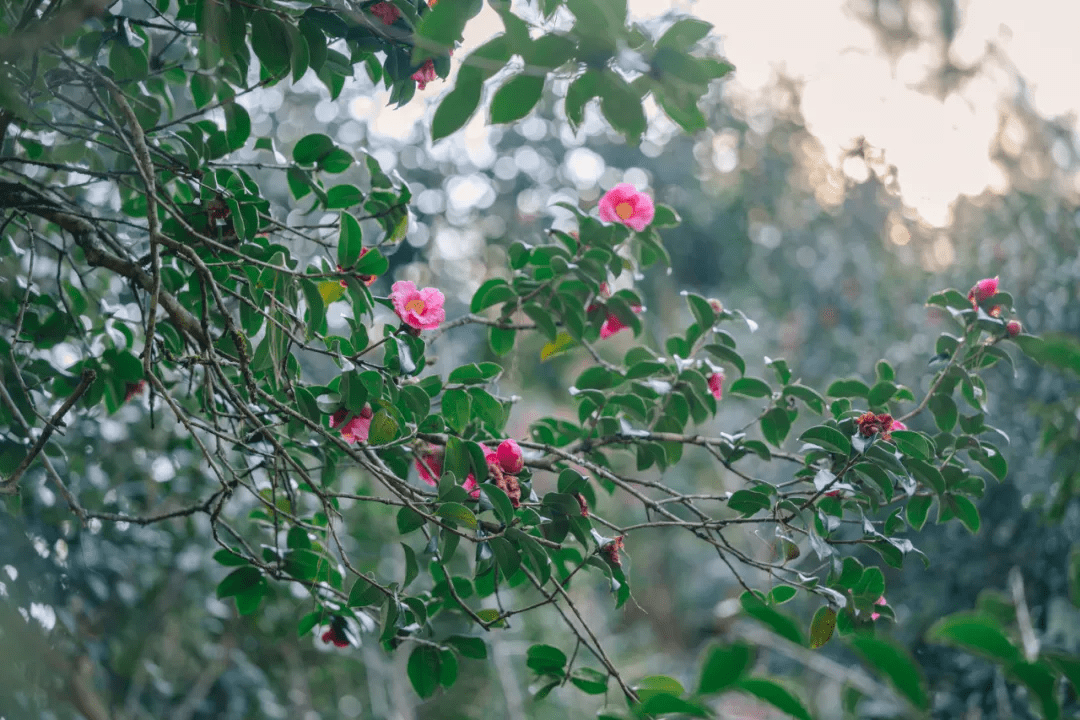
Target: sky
(851, 89)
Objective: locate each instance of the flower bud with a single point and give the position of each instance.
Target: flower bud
(716, 305)
(983, 290)
(1014, 328)
(509, 455)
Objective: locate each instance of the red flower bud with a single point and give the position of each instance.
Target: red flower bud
(1014, 328)
(509, 455)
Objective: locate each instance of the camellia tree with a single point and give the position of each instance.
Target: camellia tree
(148, 265)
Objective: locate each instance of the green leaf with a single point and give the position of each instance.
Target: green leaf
(343, 196)
(917, 509)
(590, 681)
(848, 388)
(775, 426)
(372, 263)
(350, 241)
(894, 663)
(310, 149)
(504, 510)
(664, 704)
(881, 393)
(516, 98)
(724, 666)
(363, 593)
(944, 410)
(409, 520)
(811, 397)
(545, 659)
(822, 626)
(238, 581)
(440, 29)
(780, 624)
(506, 554)
(776, 695)
(228, 559)
(725, 354)
(827, 438)
(457, 513)
(271, 42)
(455, 409)
(384, 428)
(1042, 682)
(654, 685)
(458, 105)
(423, 670)
(976, 633)
(583, 89)
(750, 387)
(470, 647)
(684, 34)
(966, 511)
(237, 125)
(749, 502)
(621, 106)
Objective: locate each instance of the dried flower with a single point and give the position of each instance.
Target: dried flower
(871, 424)
(425, 74)
(610, 551)
(385, 11)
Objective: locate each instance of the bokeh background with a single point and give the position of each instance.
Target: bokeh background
(864, 154)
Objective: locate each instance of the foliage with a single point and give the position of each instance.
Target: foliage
(153, 258)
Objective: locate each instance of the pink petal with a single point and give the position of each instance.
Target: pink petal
(471, 486)
(338, 417)
(400, 293)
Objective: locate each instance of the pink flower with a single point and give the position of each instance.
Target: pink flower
(612, 324)
(509, 456)
(983, 290)
(716, 384)
(434, 461)
(336, 633)
(624, 204)
(1014, 328)
(420, 309)
(897, 425)
(880, 601)
(137, 388)
(425, 74)
(385, 11)
(358, 427)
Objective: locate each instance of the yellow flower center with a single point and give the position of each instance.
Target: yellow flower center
(416, 305)
(624, 210)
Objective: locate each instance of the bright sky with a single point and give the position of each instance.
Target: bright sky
(851, 89)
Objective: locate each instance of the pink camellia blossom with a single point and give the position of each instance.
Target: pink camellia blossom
(509, 456)
(879, 601)
(624, 204)
(425, 74)
(897, 425)
(385, 11)
(612, 324)
(1014, 328)
(430, 469)
(354, 428)
(136, 388)
(420, 309)
(716, 384)
(983, 290)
